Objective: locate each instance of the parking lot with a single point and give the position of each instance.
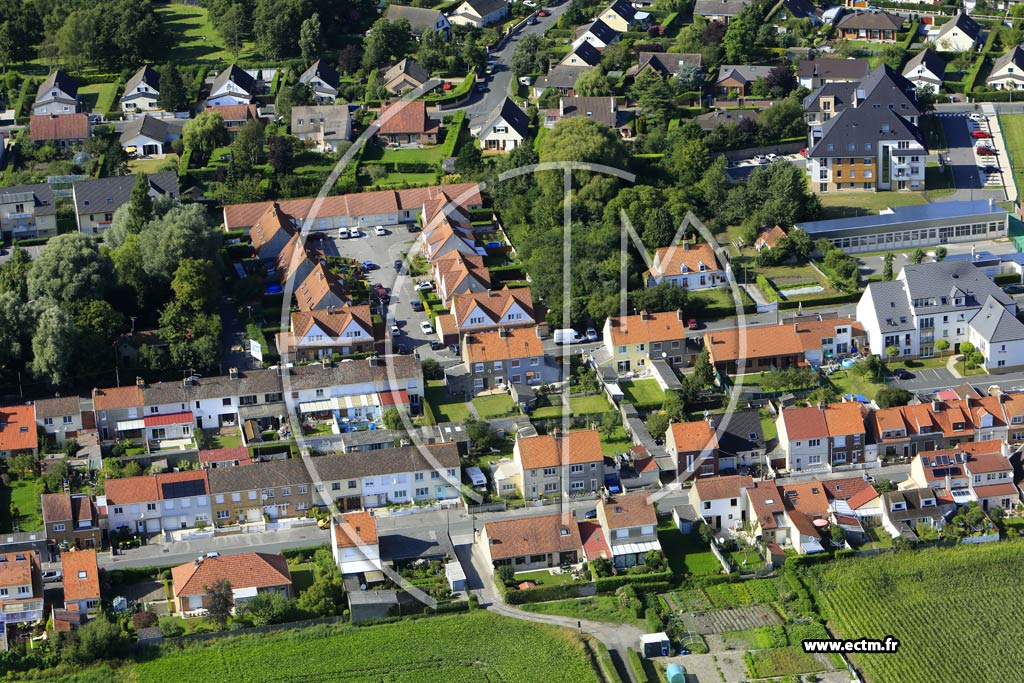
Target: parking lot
(976, 174)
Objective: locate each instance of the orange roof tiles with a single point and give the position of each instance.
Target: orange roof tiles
(808, 497)
(57, 507)
(648, 327)
(769, 238)
(595, 545)
(18, 428)
(131, 490)
(81, 575)
(333, 323)
(720, 488)
(547, 451)
(630, 510)
(59, 127)
(862, 498)
(492, 303)
(805, 423)
(845, 488)
(684, 258)
(775, 340)
(246, 570)
(765, 502)
(983, 463)
(356, 204)
(406, 116)
(532, 536)
(15, 571)
(693, 436)
(989, 490)
(114, 398)
(844, 419)
(356, 529)
(505, 344)
(269, 225)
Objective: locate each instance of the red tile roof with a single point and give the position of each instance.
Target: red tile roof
(179, 418)
(394, 398)
(241, 454)
(59, 127)
(532, 535)
(113, 398)
(844, 419)
(775, 340)
(765, 503)
(406, 116)
(684, 258)
(845, 488)
(595, 545)
(989, 490)
(693, 436)
(508, 344)
(722, 488)
(18, 572)
(81, 575)
(547, 451)
(862, 498)
(769, 238)
(56, 507)
(246, 570)
(18, 428)
(630, 510)
(805, 423)
(131, 490)
(808, 497)
(356, 529)
(648, 327)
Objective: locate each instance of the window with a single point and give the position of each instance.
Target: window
(814, 442)
(219, 498)
(286, 490)
(707, 505)
(319, 393)
(576, 469)
(336, 486)
(549, 471)
(58, 527)
(577, 486)
(422, 491)
(48, 421)
(551, 487)
(226, 401)
(435, 474)
(151, 506)
(236, 497)
(67, 419)
(352, 483)
(223, 514)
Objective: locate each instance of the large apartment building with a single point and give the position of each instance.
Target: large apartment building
(865, 136)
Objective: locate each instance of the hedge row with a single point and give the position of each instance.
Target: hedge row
(644, 583)
(404, 166)
(455, 95)
(451, 137)
(972, 75)
(821, 301)
(21, 104)
(1007, 279)
(915, 26)
(767, 288)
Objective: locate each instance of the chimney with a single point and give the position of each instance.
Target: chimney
(233, 373)
(936, 406)
(686, 245)
(325, 362)
(140, 382)
(503, 332)
(644, 315)
(796, 327)
(679, 315)
(561, 107)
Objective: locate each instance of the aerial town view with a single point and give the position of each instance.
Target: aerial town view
(511, 341)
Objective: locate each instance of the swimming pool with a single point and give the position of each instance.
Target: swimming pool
(848, 362)
(274, 289)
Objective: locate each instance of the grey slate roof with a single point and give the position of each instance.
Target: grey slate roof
(965, 23)
(102, 195)
(863, 126)
(64, 83)
(835, 69)
(257, 382)
(913, 498)
(930, 60)
(995, 324)
(742, 432)
(420, 19)
(666, 62)
(878, 21)
(322, 70)
(39, 194)
(602, 31)
(150, 126)
(746, 73)
(258, 476)
(511, 113)
(724, 8)
(357, 372)
(410, 68)
(892, 308)
(935, 280)
(588, 53)
(1016, 55)
(623, 9)
(385, 461)
(59, 406)
(561, 77)
(236, 75)
(600, 109)
(146, 75)
(333, 118)
(800, 9)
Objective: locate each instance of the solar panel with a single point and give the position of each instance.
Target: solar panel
(183, 489)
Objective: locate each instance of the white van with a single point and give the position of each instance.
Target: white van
(568, 336)
(343, 233)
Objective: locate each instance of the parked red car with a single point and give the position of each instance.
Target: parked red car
(986, 152)
(543, 13)
(980, 134)
(692, 324)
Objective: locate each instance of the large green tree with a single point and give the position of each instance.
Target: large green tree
(203, 134)
(173, 93)
(277, 24)
(53, 346)
(309, 38)
(70, 267)
(385, 41)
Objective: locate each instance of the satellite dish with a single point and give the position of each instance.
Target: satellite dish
(81, 158)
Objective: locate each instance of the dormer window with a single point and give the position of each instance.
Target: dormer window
(898, 506)
(928, 503)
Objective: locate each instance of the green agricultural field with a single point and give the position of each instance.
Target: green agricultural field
(457, 649)
(974, 588)
(98, 97)
(194, 39)
(597, 608)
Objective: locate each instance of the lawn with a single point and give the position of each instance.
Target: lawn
(225, 441)
(849, 382)
(921, 363)
(464, 648)
(542, 577)
(686, 553)
(497, 405)
(193, 38)
(152, 165)
(412, 179)
(588, 405)
(618, 442)
(447, 408)
(597, 608)
(974, 587)
(24, 495)
(421, 155)
(302, 576)
(846, 204)
(98, 97)
(768, 426)
(642, 392)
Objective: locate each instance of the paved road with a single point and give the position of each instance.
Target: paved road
(479, 106)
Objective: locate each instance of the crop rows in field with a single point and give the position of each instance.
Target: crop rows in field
(725, 595)
(739, 619)
(955, 611)
(471, 648)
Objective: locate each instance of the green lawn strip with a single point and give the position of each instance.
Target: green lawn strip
(447, 408)
(24, 495)
(413, 179)
(597, 608)
(686, 553)
(194, 39)
(497, 405)
(1012, 127)
(460, 648)
(782, 661)
(844, 205)
(542, 577)
(98, 97)
(302, 576)
(642, 391)
(760, 638)
(849, 382)
(587, 405)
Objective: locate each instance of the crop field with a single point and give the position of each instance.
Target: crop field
(974, 588)
(477, 647)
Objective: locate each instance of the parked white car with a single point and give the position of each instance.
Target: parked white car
(424, 287)
(426, 328)
(977, 117)
(343, 233)
(379, 231)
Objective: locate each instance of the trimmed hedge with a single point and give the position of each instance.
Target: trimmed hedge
(465, 88)
(767, 288)
(451, 138)
(821, 301)
(911, 34)
(1007, 279)
(644, 583)
(972, 75)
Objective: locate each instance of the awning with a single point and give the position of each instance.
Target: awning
(392, 398)
(635, 548)
(812, 547)
(130, 425)
(244, 593)
(325, 405)
(358, 401)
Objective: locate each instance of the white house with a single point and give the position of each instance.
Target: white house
(322, 79)
(720, 500)
(479, 13)
(691, 266)
(233, 85)
(584, 54)
(933, 301)
(959, 34)
(998, 335)
(158, 502)
(420, 19)
(1008, 71)
(390, 476)
(58, 94)
(804, 437)
(598, 34)
(926, 70)
(354, 543)
(620, 15)
(505, 129)
(142, 91)
(148, 135)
